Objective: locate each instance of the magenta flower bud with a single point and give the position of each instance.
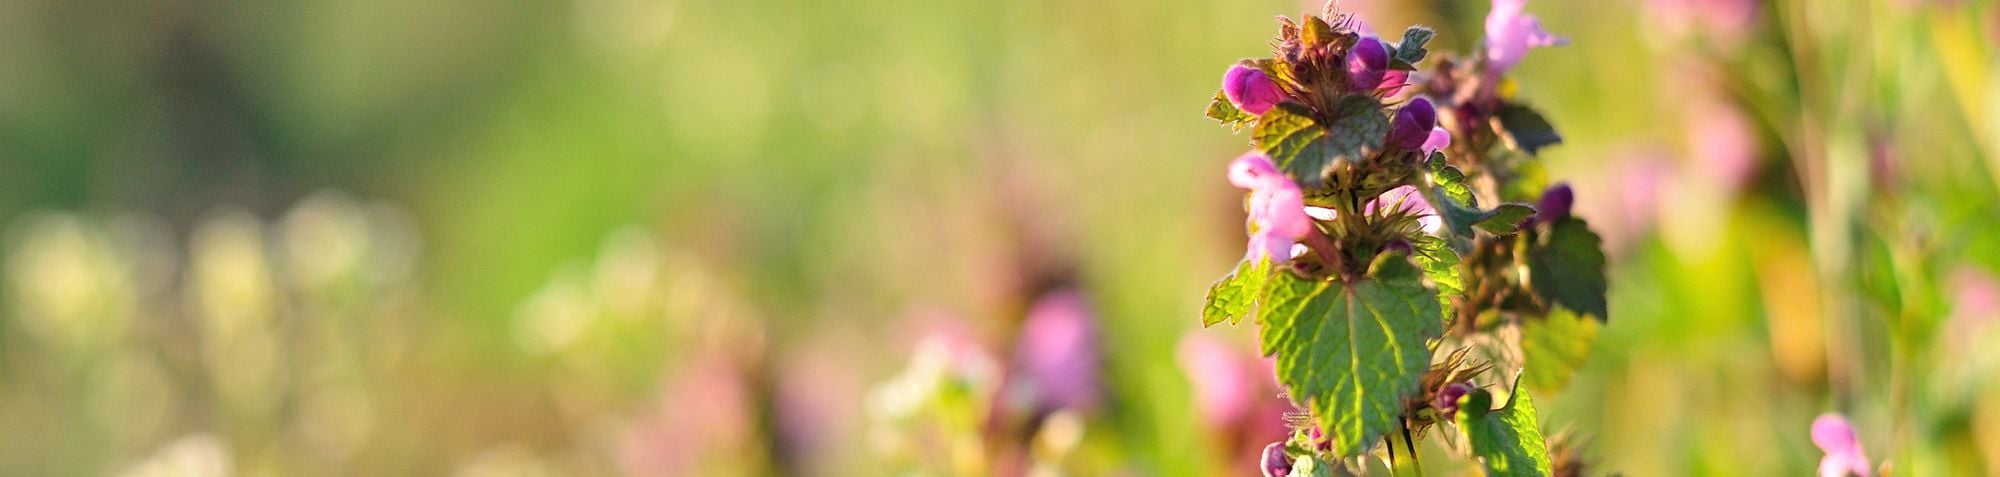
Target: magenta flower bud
(1398, 246)
(1366, 63)
(1446, 401)
(1555, 204)
(1251, 91)
(1276, 463)
(1413, 124)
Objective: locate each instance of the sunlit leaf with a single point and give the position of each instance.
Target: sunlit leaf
(1554, 346)
(1235, 295)
(1508, 441)
(1352, 352)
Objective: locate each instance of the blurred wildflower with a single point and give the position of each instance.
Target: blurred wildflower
(1724, 143)
(197, 455)
(702, 424)
(1728, 22)
(232, 293)
(507, 460)
(1277, 207)
(1555, 203)
(1224, 386)
(1057, 353)
(69, 286)
(1510, 33)
(1833, 435)
(1250, 90)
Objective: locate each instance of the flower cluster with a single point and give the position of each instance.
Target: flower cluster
(1365, 184)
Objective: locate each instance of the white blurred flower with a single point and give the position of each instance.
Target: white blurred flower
(196, 455)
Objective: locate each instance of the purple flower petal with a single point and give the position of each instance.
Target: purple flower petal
(1413, 124)
(1555, 203)
(1366, 62)
(1276, 463)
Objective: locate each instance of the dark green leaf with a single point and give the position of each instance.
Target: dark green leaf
(1225, 112)
(1351, 353)
(1359, 128)
(1412, 49)
(1505, 219)
(1554, 346)
(1567, 268)
(1524, 129)
(1507, 441)
(1235, 295)
(1295, 143)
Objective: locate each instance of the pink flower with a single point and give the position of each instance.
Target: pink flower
(1510, 34)
(1407, 199)
(1058, 352)
(1277, 208)
(1438, 140)
(1843, 450)
(1251, 91)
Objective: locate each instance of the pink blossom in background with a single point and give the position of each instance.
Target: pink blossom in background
(1727, 21)
(1250, 90)
(1833, 435)
(1223, 391)
(701, 412)
(1510, 33)
(1724, 143)
(1057, 354)
(1277, 207)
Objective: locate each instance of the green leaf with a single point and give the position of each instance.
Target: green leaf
(1411, 50)
(1235, 295)
(1505, 219)
(1359, 127)
(1295, 143)
(1440, 263)
(1508, 441)
(1524, 129)
(1554, 346)
(1225, 112)
(1450, 180)
(1352, 352)
(1567, 267)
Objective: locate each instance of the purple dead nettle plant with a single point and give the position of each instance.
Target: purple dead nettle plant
(1392, 240)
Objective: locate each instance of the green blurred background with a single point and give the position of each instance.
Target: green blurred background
(694, 237)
